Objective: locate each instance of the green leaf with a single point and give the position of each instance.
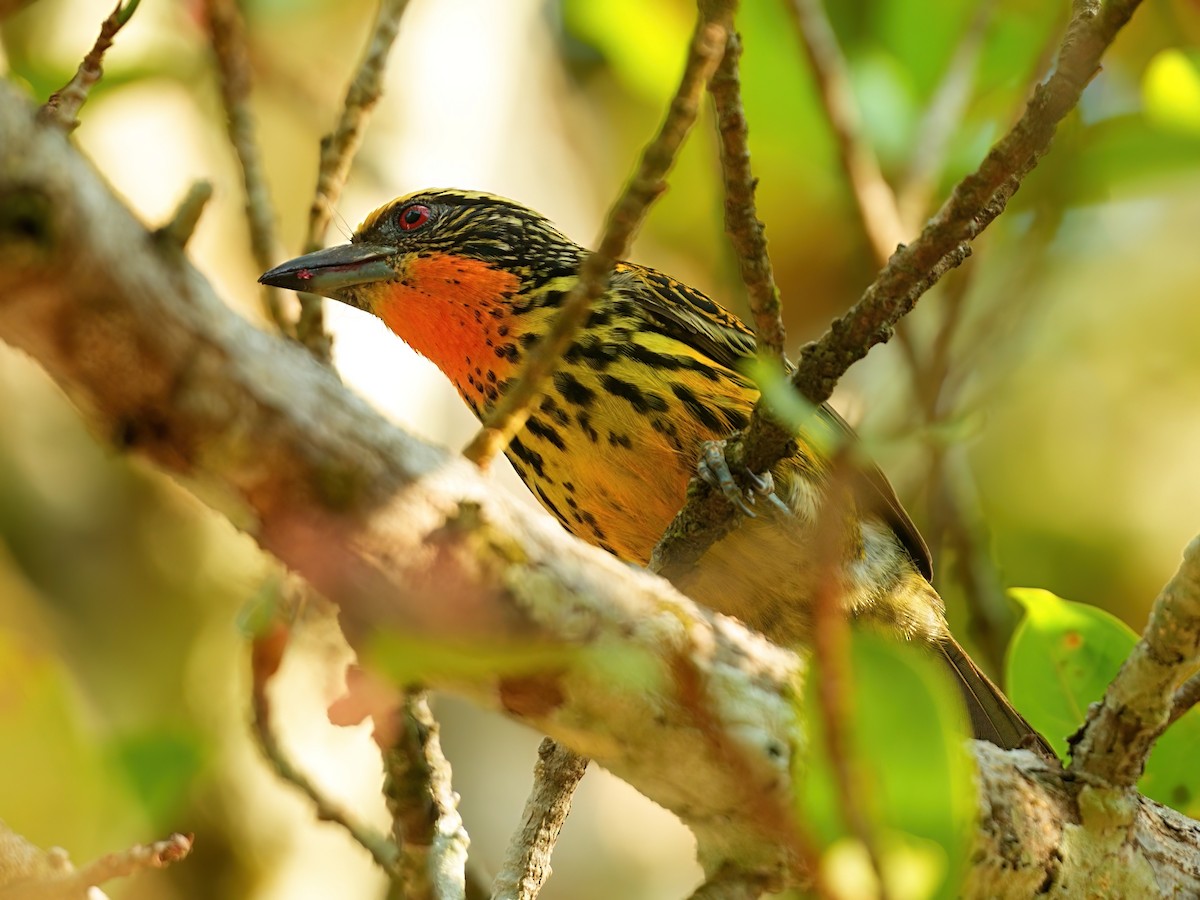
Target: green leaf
(909, 730)
(1061, 659)
(1171, 775)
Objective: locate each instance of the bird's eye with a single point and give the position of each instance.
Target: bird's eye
(410, 218)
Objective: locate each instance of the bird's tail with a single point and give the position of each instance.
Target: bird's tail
(993, 717)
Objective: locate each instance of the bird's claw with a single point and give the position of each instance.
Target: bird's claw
(714, 470)
(764, 485)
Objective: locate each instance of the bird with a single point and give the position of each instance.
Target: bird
(651, 383)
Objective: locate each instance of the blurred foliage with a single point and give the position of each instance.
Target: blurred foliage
(1073, 362)
(912, 770)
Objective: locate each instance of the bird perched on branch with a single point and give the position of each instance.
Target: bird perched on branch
(473, 281)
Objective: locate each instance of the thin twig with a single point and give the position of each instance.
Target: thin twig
(337, 153)
(873, 197)
(426, 825)
(187, 215)
(944, 243)
(831, 664)
(941, 119)
(509, 415)
(1115, 741)
(266, 655)
(526, 863)
(228, 33)
(1185, 698)
(62, 109)
(158, 855)
(746, 232)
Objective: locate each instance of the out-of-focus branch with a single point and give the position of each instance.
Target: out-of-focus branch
(426, 825)
(1113, 745)
(337, 153)
(29, 873)
(873, 197)
(746, 232)
(526, 863)
(509, 415)
(832, 668)
(187, 215)
(1185, 698)
(942, 117)
(64, 104)
(944, 243)
(228, 33)
(267, 651)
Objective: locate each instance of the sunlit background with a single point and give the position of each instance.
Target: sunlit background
(1070, 434)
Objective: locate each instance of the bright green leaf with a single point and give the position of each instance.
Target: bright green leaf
(1061, 658)
(1172, 776)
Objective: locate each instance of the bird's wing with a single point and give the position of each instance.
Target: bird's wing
(876, 493)
(687, 315)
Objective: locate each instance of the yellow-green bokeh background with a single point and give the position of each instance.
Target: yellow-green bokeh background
(1076, 430)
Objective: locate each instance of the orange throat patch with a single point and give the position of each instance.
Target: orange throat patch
(456, 312)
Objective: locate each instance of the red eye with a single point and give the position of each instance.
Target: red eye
(412, 217)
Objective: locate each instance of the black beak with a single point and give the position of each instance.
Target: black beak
(331, 272)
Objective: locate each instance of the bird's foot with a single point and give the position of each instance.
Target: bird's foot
(713, 468)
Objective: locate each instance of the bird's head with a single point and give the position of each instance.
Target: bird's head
(451, 272)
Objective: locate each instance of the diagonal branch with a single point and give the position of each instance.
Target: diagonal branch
(64, 104)
(526, 863)
(337, 153)
(944, 243)
(1116, 740)
(228, 33)
(626, 215)
(875, 202)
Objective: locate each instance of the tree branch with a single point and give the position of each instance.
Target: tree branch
(426, 825)
(874, 200)
(746, 232)
(64, 104)
(944, 243)
(337, 153)
(526, 863)
(267, 651)
(1113, 745)
(228, 33)
(509, 415)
